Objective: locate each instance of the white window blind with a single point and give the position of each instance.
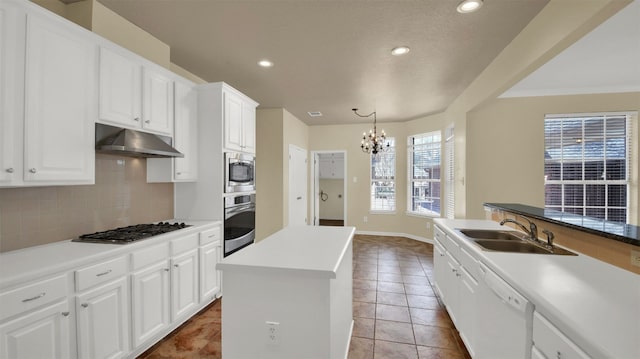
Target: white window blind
(423, 152)
(449, 170)
(587, 164)
(383, 179)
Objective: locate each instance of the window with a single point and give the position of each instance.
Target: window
(383, 179)
(587, 160)
(423, 152)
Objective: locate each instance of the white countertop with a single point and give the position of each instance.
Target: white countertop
(594, 303)
(311, 250)
(30, 263)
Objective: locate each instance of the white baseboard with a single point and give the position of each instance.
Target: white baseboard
(393, 234)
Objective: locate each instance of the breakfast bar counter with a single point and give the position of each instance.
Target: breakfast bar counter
(289, 295)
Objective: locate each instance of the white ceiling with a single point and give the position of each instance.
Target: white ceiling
(334, 55)
(605, 60)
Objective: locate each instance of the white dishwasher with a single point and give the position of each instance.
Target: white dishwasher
(505, 319)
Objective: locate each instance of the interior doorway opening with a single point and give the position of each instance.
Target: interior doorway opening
(330, 197)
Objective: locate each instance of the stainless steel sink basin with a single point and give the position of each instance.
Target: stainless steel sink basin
(521, 247)
(493, 234)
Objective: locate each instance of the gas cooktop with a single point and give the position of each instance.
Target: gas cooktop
(129, 234)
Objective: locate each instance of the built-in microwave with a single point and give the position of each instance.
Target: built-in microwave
(240, 172)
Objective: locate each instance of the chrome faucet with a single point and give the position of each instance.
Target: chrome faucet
(532, 231)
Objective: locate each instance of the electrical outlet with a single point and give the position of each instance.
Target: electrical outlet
(273, 332)
(365, 219)
(635, 258)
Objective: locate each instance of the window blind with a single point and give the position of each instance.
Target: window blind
(449, 171)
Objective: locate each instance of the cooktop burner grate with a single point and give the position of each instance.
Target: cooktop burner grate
(124, 235)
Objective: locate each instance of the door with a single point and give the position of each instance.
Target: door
(150, 301)
(184, 284)
(248, 128)
(60, 103)
(233, 122)
(120, 89)
(157, 102)
(42, 333)
(186, 132)
(209, 276)
(297, 186)
(103, 325)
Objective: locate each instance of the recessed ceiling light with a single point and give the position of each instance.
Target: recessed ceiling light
(468, 6)
(400, 50)
(265, 63)
(315, 113)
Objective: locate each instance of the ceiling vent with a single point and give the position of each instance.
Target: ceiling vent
(315, 113)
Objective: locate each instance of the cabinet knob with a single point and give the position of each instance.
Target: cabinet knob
(65, 314)
(137, 119)
(84, 305)
(558, 355)
(178, 173)
(32, 170)
(176, 265)
(9, 170)
(166, 269)
(147, 121)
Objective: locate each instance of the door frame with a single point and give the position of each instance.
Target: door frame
(315, 185)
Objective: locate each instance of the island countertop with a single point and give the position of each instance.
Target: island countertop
(312, 250)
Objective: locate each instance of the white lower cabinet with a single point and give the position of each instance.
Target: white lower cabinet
(550, 343)
(184, 284)
(42, 333)
(150, 301)
(103, 321)
(210, 283)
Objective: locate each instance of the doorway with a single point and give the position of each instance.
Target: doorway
(330, 190)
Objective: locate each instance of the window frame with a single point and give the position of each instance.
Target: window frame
(410, 179)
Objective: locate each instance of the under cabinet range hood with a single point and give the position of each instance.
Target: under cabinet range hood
(127, 142)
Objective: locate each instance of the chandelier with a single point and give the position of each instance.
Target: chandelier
(372, 142)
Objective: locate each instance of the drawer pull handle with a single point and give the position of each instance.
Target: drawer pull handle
(558, 355)
(176, 265)
(103, 273)
(65, 314)
(33, 170)
(84, 305)
(9, 170)
(136, 119)
(166, 269)
(34, 298)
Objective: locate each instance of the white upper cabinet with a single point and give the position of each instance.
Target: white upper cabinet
(157, 102)
(48, 79)
(133, 94)
(239, 123)
(120, 89)
(60, 103)
(186, 132)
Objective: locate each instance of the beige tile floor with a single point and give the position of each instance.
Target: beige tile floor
(396, 312)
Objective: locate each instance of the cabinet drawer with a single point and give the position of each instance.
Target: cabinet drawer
(147, 256)
(551, 342)
(469, 263)
(32, 295)
(184, 244)
(100, 273)
(438, 234)
(209, 236)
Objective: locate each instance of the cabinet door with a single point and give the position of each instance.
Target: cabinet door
(60, 103)
(468, 307)
(42, 333)
(209, 276)
(232, 122)
(451, 287)
(103, 325)
(186, 132)
(248, 128)
(150, 302)
(12, 20)
(120, 89)
(439, 268)
(157, 102)
(184, 284)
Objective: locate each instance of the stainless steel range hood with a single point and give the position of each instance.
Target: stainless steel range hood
(127, 142)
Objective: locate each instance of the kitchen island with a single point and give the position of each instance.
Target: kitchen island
(289, 295)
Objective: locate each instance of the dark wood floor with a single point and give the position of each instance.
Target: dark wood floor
(396, 311)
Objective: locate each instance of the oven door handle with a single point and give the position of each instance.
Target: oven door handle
(235, 210)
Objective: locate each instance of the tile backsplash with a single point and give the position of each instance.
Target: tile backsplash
(31, 216)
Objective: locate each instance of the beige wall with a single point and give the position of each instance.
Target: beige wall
(506, 163)
(121, 196)
(333, 206)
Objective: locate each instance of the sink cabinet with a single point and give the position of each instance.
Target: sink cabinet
(549, 342)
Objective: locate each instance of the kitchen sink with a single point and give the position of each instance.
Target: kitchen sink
(493, 234)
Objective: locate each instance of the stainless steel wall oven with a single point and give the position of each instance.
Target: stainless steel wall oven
(239, 222)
